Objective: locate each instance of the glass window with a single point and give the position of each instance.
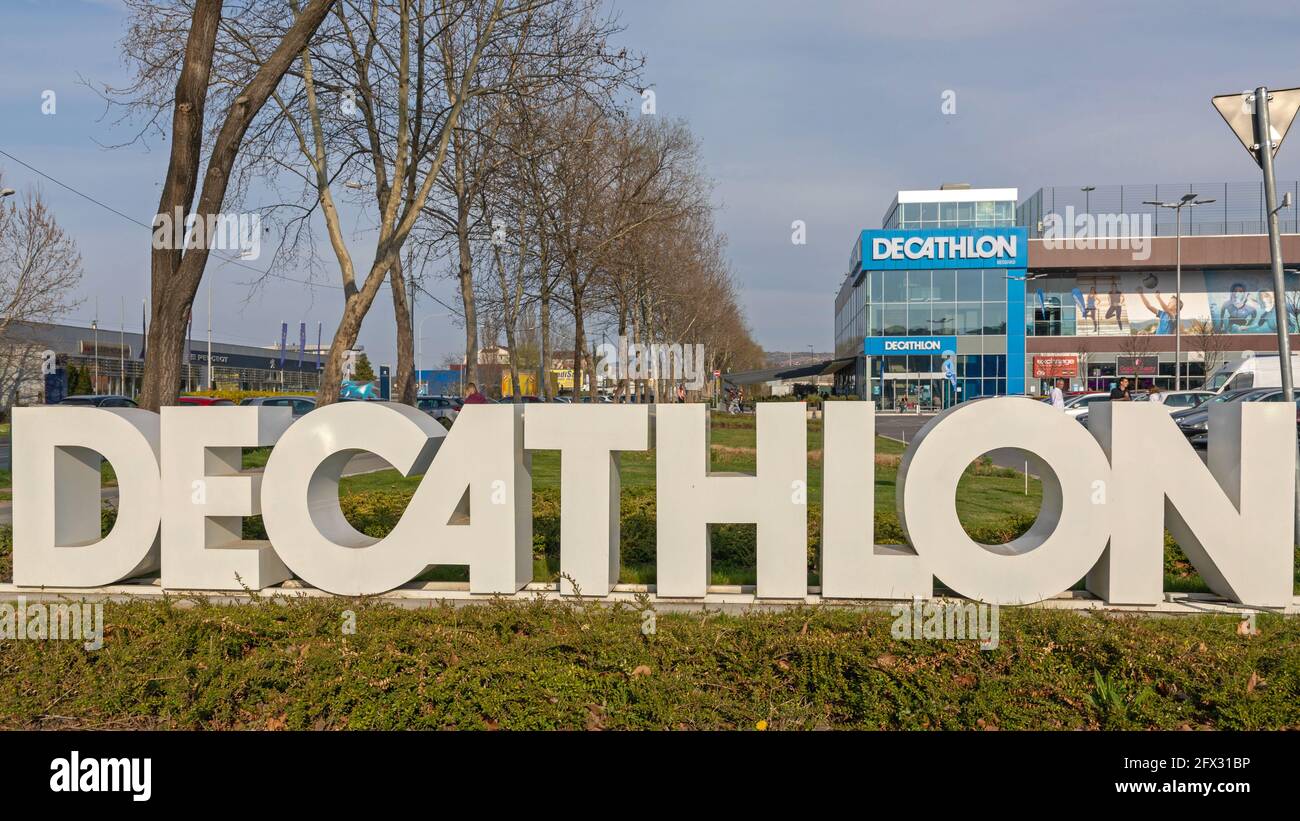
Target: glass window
(894, 320)
(895, 286)
(929, 214)
(948, 214)
(995, 285)
(877, 280)
(971, 365)
(995, 318)
(918, 286)
(965, 213)
(911, 212)
(945, 286)
(944, 321)
(1006, 213)
(991, 387)
(969, 286)
(918, 319)
(919, 364)
(991, 365)
(985, 213)
(968, 318)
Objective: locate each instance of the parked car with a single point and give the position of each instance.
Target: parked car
(1180, 400)
(1195, 422)
(524, 400)
(100, 401)
(1079, 403)
(301, 405)
(443, 408)
(206, 401)
(1202, 439)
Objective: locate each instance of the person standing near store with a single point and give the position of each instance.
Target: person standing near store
(1121, 392)
(1058, 395)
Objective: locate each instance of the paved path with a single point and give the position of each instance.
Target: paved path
(905, 426)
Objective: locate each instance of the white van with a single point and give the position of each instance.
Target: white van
(1251, 371)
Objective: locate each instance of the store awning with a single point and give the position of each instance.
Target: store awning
(776, 374)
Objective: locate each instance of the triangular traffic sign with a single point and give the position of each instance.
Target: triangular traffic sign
(1238, 111)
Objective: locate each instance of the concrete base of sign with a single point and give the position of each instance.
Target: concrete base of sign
(718, 598)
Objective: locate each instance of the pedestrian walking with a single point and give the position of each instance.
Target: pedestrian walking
(1058, 395)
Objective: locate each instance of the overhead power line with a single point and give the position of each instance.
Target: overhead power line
(223, 259)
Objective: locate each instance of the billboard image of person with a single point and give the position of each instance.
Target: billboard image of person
(1241, 302)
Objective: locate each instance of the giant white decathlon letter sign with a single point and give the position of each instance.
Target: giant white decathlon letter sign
(1109, 492)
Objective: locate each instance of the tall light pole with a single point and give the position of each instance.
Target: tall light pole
(94, 326)
(209, 380)
(1187, 201)
(419, 345)
(1087, 197)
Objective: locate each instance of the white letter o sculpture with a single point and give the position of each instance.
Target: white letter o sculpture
(1071, 530)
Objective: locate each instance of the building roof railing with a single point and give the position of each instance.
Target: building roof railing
(1238, 208)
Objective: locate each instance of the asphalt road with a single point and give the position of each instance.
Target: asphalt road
(905, 426)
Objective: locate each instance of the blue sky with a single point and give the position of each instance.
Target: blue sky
(815, 111)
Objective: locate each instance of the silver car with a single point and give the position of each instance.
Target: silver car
(443, 408)
(301, 405)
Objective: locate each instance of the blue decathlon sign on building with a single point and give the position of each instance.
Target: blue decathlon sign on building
(894, 249)
(903, 345)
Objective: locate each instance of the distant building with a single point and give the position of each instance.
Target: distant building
(113, 359)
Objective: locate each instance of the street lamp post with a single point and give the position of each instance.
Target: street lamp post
(1187, 201)
(1087, 197)
(419, 345)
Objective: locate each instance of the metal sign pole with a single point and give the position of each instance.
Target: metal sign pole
(1264, 149)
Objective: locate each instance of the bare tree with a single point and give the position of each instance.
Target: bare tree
(153, 44)
(1211, 342)
(40, 268)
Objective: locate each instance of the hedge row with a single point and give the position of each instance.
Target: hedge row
(375, 513)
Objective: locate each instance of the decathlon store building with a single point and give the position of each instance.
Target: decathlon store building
(922, 316)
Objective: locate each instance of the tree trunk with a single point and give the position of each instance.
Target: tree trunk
(175, 273)
(355, 307)
(544, 344)
(403, 388)
(162, 367)
(579, 343)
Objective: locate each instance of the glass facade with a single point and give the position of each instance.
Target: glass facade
(976, 214)
(931, 275)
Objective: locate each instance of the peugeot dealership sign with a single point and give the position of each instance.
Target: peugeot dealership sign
(182, 493)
